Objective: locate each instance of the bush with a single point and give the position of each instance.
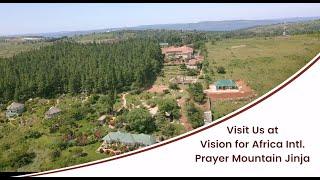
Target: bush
(140, 120)
(183, 67)
(192, 72)
(93, 98)
(54, 128)
(170, 106)
(174, 86)
(195, 115)
(78, 152)
(33, 134)
(77, 115)
(170, 130)
(81, 139)
(22, 159)
(55, 154)
(196, 91)
(221, 70)
(166, 91)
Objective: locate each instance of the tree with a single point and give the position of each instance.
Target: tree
(195, 115)
(174, 86)
(196, 91)
(192, 72)
(140, 121)
(69, 67)
(221, 70)
(108, 100)
(183, 66)
(170, 106)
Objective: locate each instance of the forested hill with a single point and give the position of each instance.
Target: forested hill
(70, 67)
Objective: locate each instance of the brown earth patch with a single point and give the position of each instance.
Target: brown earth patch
(157, 89)
(244, 92)
(183, 118)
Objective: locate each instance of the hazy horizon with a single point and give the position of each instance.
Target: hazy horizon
(50, 18)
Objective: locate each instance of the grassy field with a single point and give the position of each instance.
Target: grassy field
(263, 63)
(8, 49)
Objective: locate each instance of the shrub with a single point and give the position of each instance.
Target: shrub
(196, 91)
(174, 86)
(195, 115)
(55, 154)
(166, 91)
(78, 152)
(221, 70)
(33, 134)
(22, 159)
(170, 106)
(140, 120)
(183, 67)
(81, 139)
(94, 98)
(192, 72)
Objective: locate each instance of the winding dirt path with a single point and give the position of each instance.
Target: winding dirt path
(123, 101)
(183, 118)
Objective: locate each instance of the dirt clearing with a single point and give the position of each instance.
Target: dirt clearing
(243, 92)
(157, 89)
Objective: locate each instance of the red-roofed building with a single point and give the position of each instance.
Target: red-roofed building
(172, 52)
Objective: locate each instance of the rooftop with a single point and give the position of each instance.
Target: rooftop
(129, 139)
(226, 83)
(15, 105)
(53, 110)
(163, 44)
(173, 49)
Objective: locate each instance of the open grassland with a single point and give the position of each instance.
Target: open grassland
(263, 63)
(8, 49)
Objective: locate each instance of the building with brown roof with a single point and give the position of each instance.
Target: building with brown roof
(52, 112)
(14, 109)
(173, 52)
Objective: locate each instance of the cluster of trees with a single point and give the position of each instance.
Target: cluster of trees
(195, 115)
(172, 37)
(67, 67)
(139, 120)
(196, 92)
(309, 27)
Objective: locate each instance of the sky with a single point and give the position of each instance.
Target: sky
(44, 17)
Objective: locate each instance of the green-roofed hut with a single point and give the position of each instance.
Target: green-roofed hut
(129, 139)
(226, 84)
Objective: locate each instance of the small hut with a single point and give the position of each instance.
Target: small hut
(15, 109)
(52, 112)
